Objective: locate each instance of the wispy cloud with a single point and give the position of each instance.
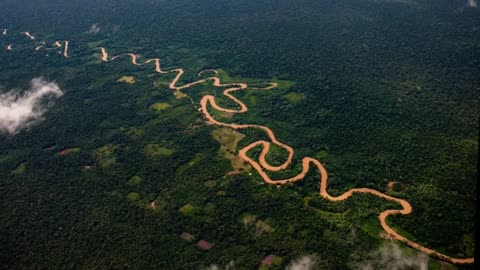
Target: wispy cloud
(472, 3)
(94, 29)
(21, 110)
(391, 257)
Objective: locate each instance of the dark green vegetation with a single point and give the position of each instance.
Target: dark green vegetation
(383, 91)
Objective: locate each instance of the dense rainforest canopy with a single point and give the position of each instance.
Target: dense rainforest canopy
(377, 90)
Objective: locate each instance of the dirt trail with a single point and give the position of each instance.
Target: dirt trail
(262, 166)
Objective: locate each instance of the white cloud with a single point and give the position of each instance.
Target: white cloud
(94, 29)
(21, 110)
(304, 263)
(391, 257)
(472, 3)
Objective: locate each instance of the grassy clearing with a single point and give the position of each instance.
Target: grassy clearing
(228, 139)
(104, 155)
(183, 112)
(154, 150)
(294, 98)
(134, 181)
(247, 219)
(187, 209)
(322, 154)
(160, 106)
(133, 196)
(133, 132)
(127, 79)
(264, 227)
(283, 84)
(211, 184)
(179, 94)
(221, 193)
(21, 169)
(182, 168)
(372, 227)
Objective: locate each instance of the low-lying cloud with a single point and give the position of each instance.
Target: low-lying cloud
(21, 110)
(94, 29)
(391, 257)
(472, 3)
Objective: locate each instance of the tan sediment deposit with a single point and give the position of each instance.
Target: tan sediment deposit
(65, 50)
(28, 35)
(127, 79)
(104, 54)
(263, 167)
(41, 45)
(153, 205)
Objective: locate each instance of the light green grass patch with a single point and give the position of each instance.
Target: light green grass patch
(283, 84)
(105, 151)
(322, 154)
(277, 261)
(21, 169)
(372, 227)
(228, 139)
(182, 168)
(252, 100)
(264, 227)
(134, 132)
(187, 209)
(104, 155)
(179, 94)
(133, 196)
(160, 106)
(294, 98)
(134, 181)
(247, 219)
(210, 184)
(221, 193)
(154, 150)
